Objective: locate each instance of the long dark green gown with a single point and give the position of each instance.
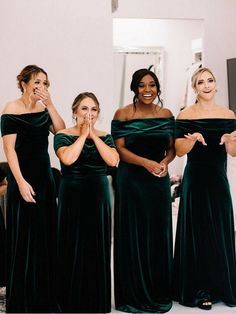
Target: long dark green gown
(30, 227)
(2, 241)
(204, 259)
(143, 221)
(84, 231)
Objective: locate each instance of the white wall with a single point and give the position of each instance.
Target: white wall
(71, 40)
(219, 43)
(177, 9)
(175, 36)
(218, 40)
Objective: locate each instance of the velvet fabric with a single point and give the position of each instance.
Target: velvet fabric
(30, 226)
(143, 220)
(204, 259)
(2, 241)
(84, 231)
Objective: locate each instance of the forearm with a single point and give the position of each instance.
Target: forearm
(108, 154)
(131, 158)
(69, 154)
(57, 122)
(231, 149)
(14, 164)
(3, 187)
(170, 155)
(183, 146)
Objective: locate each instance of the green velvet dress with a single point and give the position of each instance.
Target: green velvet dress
(204, 259)
(84, 231)
(30, 226)
(2, 241)
(143, 221)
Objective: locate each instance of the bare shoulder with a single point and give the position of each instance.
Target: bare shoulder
(101, 133)
(124, 113)
(10, 107)
(227, 113)
(64, 131)
(186, 113)
(166, 113)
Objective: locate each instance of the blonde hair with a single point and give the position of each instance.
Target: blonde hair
(197, 73)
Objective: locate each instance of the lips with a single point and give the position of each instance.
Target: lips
(147, 95)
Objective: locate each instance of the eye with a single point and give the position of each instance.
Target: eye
(210, 80)
(152, 85)
(140, 85)
(199, 82)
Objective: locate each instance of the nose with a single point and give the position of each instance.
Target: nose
(147, 88)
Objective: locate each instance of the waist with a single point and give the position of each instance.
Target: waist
(207, 163)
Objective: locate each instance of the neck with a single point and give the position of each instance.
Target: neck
(27, 102)
(145, 107)
(206, 105)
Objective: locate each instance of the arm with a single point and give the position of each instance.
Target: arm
(170, 155)
(184, 145)
(126, 155)
(57, 122)
(229, 140)
(3, 187)
(108, 154)
(25, 188)
(69, 154)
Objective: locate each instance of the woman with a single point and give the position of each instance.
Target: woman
(3, 190)
(204, 260)
(84, 227)
(143, 133)
(25, 125)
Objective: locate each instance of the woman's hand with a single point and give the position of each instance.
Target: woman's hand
(85, 126)
(44, 96)
(27, 191)
(196, 137)
(155, 168)
(228, 138)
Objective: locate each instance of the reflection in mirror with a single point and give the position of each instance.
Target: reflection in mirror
(126, 60)
(178, 48)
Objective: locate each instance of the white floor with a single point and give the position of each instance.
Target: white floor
(218, 308)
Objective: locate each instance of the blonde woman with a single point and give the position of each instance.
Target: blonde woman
(204, 259)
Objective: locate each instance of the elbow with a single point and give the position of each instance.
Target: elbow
(179, 154)
(114, 161)
(67, 161)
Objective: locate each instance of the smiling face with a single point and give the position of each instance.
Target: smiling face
(147, 90)
(86, 108)
(204, 85)
(37, 81)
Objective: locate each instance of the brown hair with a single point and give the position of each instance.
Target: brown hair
(82, 96)
(27, 73)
